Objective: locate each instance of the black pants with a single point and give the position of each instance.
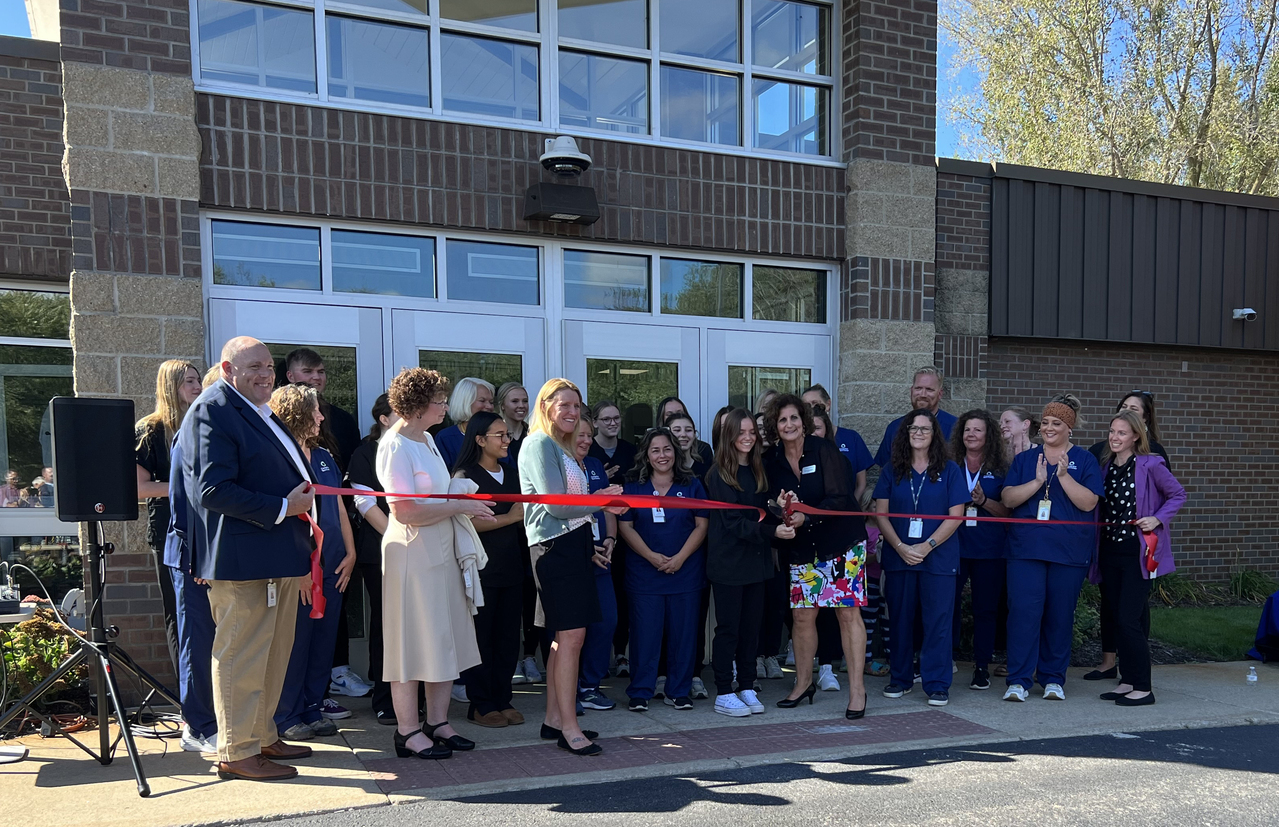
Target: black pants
(622, 632)
(170, 601)
(830, 645)
(776, 609)
(1127, 594)
(738, 611)
(497, 634)
(1109, 637)
(371, 573)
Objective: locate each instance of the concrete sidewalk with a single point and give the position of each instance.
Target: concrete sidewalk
(359, 769)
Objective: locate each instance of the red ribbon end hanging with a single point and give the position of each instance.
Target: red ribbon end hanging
(1152, 542)
(317, 570)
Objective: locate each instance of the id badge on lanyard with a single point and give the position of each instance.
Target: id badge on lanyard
(271, 596)
(916, 529)
(971, 511)
(659, 515)
(595, 528)
(1045, 509)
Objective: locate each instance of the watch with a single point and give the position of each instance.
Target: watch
(932, 543)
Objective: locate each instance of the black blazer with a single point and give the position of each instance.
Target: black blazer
(739, 545)
(828, 485)
(237, 473)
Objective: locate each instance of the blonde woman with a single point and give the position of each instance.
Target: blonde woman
(511, 403)
(177, 384)
(561, 547)
(469, 397)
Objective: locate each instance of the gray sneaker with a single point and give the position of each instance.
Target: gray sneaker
(298, 732)
(324, 728)
(699, 690)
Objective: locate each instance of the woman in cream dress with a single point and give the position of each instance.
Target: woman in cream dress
(428, 634)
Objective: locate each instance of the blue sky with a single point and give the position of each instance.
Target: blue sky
(13, 18)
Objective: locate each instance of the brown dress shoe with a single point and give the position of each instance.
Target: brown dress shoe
(286, 751)
(255, 768)
(512, 716)
(488, 719)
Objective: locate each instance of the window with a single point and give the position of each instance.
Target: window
(635, 386)
(784, 294)
(339, 367)
(748, 74)
(266, 255)
(496, 368)
(701, 288)
(606, 281)
(482, 272)
(747, 383)
(392, 265)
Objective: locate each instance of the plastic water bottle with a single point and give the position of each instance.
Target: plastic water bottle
(1252, 676)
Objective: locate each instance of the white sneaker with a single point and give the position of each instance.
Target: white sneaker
(731, 706)
(342, 681)
(191, 743)
(761, 670)
(531, 672)
(772, 669)
(659, 690)
(751, 700)
(826, 680)
(1016, 692)
(699, 690)
(459, 693)
(1054, 692)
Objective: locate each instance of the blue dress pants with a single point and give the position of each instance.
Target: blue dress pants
(598, 649)
(989, 577)
(1041, 620)
(653, 615)
(933, 597)
(195, 653)
(310, 664)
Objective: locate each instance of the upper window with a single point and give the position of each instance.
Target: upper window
(750, 74)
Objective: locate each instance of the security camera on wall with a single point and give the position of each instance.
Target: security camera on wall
(1245, 314)
(562, 157)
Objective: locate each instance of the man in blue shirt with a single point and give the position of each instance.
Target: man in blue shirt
(849, 442)
(925, 394)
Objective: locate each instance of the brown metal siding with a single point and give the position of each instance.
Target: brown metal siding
(1161, 266)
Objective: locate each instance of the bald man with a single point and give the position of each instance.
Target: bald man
(247, 483)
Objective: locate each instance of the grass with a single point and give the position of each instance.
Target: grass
(1212, 632)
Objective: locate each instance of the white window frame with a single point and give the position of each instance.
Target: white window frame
(548, 44)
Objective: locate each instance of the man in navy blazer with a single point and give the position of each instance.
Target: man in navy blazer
(247, 482)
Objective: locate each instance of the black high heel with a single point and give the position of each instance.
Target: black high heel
(791, 703)
(854, 714)
(434, 751)
(453, 742)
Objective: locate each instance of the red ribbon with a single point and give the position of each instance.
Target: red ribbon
(318, 601)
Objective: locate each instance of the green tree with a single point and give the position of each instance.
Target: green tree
(1175, 91)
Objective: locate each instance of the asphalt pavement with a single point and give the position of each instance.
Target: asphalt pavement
(1218, 776)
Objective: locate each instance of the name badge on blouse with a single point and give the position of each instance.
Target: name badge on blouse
(595, 529)
(659, 515)
(971, 511)
(270, 593)
(1045, 509)
(808, 469)
(916, 529)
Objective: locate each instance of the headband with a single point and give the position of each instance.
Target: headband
(1062, 411)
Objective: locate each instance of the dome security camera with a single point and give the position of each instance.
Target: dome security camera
(562, 157)
(1244, 314)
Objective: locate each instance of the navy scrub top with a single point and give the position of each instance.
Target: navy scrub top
(595, 480)
(665, 538)
(884, 456)
(327, 472)
(1070, 545)
(934, 498)
(853, 447)
(984, 541)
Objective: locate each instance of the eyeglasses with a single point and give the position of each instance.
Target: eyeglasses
(504, 436)
(919, 429)
(609, 419)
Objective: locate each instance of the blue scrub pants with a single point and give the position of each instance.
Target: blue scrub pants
(311, 662)
(933, 596)
(195, 653)
(651, 616)
(989, 578)
(1041, 619)
(598, 649)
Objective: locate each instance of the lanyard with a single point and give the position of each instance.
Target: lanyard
(914, 495)
(1048, 483)
(973, 480)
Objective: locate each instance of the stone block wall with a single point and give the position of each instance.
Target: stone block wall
(35, 212)
(963, 281)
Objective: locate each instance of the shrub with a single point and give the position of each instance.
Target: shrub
(34, 648)
(1087, 621)
(1252, 586)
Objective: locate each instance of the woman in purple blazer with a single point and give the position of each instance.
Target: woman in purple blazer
(1140, 495)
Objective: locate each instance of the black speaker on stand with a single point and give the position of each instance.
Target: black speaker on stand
(95, 481)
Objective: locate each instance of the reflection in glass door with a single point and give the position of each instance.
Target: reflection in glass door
(635, 387)
(747, 383)
(754, 362)
(342, 388)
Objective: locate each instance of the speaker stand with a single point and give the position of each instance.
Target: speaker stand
(106, 655)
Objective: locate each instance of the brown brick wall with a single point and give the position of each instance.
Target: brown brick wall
(35, 212)
(150, 35)
(963, 221)
(137, 234)
(890, 80)
(309, 160)
(961, 357)
(1216, 411)
(887, 289)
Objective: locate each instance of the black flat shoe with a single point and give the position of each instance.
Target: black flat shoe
(1124, 700)
(453, 742)
(590, 749)
(1098, 675)
(1111, 696)
(791, 703)
(550, 733)
(435, 751)
(854, 714)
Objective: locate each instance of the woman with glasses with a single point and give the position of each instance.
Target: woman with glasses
(920, 565)
(665, 572)
(1047, 563)
(484, 461)
(827, 557)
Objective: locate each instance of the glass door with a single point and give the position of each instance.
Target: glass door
(747, 364)
(496, 349)
(635, 366)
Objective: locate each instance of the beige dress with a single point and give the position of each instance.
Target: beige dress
(427, 630)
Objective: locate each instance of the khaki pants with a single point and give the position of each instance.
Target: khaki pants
(251, 649)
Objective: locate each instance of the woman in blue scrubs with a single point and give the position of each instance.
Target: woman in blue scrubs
(982, 456)
(1047, 563)
(920, 565)
(598, 648)
(665, 572)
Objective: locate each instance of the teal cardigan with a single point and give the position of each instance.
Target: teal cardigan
(541, 463)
